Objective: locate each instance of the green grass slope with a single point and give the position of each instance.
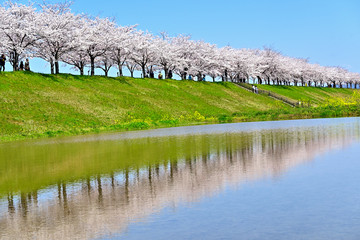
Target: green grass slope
(312, 95)
(36, 105)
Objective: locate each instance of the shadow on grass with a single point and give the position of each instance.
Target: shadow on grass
(51, 77)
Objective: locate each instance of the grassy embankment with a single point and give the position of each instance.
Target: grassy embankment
(310, 96)
(38, 105)
(321, 102)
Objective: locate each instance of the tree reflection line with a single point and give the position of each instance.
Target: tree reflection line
(200, 168)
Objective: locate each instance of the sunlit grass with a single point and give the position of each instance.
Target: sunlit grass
(40, 105)
(37, 105)
(314, 96)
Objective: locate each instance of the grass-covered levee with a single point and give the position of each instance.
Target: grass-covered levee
(39, 105)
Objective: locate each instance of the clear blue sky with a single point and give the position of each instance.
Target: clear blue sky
(325, 31)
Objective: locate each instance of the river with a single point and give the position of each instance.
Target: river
(265, 180)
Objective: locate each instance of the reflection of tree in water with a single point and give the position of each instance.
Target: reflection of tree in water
(105, 204)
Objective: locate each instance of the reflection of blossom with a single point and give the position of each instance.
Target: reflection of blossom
(198, 166)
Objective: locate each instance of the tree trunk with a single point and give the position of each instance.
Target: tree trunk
(57, 64)
(120, 70)
(92, 61)
(166, 70)
(15, 60)
(51, 66)
(82, 68)
(56, 67)
(143, 68)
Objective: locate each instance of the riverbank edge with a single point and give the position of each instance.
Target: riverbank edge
(136, 126)
(26, 82)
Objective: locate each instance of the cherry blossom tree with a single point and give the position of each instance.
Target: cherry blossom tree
(105, 62)
(17, 31)
(167, 53)
(185, 50)
(143, 50)
(56, 29)
(214, 64)
(78, 55)
(121, 48)
(227, 57)
(78, 58)
(97, 38)
(131, 65)
(240, 63)
(203, 59)
(54, 33)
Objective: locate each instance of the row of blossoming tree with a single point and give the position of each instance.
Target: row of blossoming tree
(56, 34)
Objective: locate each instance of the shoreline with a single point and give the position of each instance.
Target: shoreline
(96, 132)
(40, 106)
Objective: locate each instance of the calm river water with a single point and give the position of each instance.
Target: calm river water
(266, 180)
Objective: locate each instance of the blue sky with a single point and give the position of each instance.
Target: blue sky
(325, 31)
